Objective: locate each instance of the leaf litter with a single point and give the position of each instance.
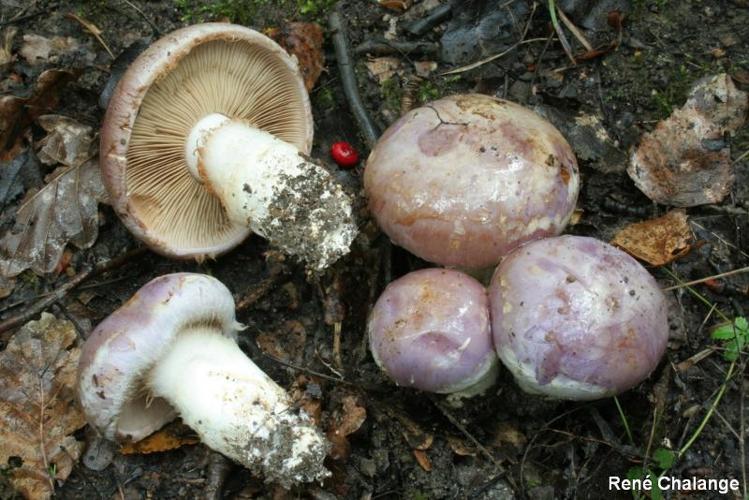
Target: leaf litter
(65, 210)
(686, 160)
(38, 408)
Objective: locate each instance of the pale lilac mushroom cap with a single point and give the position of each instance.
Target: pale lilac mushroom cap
(193, 72)
(463, 180)
(124, 347)
(171, 351)
(575, 318)
(430, 330)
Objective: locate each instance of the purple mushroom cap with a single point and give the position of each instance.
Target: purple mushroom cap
(126, 345)
(430, 330)
(463, 180)
(575, 318)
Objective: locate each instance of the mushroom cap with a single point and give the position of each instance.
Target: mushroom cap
(576, 318)
(119, 353)
(187, 74)
(430, 329)
(463, 180)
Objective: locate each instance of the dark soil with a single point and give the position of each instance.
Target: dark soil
(505, 444)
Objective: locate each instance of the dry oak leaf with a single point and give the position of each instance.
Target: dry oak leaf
(657, 241)
(17, 113)
(686, 160)
(65, 210)
(38, 407)
(303, 41)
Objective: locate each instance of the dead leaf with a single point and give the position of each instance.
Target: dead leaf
(304, 41)
(423, 460)
(38, 49)
(38, 408)
(347, 420)
(460, 447)
(173, 436)
(416, 437)
(384, 68)
(286, 343)
(65, 210)
(508, 433)
(657, 241)
(685, 161)
(305, 392)
(425, 68)
(17, 113)
(396, 5)
(67, 141)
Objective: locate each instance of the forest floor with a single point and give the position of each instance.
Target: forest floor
(687, 420)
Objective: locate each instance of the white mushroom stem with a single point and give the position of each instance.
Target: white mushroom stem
(269, 185)
(237, 409)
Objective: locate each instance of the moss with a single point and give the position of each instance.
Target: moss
(245, 11)
(237, 11)
(428, 91)
(391, 93)
(324, 98)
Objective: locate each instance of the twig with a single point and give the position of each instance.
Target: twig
(481, 62)
(560, 32)
(6, 326)
(575, 30)
(432, 19)
(93, 29)
(484, 451)
(153, 26)
(348, 79)
(383, 47)
(702, 280)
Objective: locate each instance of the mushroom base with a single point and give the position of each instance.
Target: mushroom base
(238, 410)
(269, 185)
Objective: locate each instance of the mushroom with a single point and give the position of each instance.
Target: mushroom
(576, 318)
(463, 180)
(430, 329)
(206, 139)
(170, 350)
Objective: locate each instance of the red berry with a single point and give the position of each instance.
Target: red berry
(344, 154)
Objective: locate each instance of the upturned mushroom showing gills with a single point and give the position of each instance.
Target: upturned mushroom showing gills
(206, 139)
(170, 351)
(463, 180)
(575, 318)
(430, 330)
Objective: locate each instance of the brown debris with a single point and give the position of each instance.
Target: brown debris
(657, 241)
(423, 460)
(347, 420)
(304, 41)
(65, 210)
(685, 160)
(17, 113)
(171, 437)
(460, 447)
(38, 408)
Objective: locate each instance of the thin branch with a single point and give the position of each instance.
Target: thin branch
(7, 325)
(702, 280)
(348, 79)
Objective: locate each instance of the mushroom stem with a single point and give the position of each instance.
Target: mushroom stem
(272, 187)
(237, 409)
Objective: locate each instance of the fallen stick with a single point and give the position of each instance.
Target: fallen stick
(7, 326)
(348, 79)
